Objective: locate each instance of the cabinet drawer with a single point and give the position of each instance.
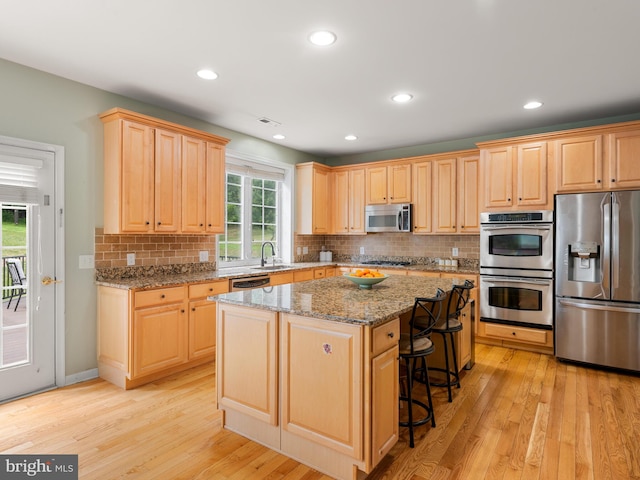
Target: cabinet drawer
(519, 334)
(319, 273)
(200, 290)
(159, 296)
(385, 336)
(302, 275)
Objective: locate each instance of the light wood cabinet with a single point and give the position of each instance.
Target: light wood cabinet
(215, 189)
(468, 220)
(579, 163)
(349, 196)
(462, 340)
(144, 335)
(516, 177)
(280, 278)
(423, 196)
(155, 177)
(320, 391)
(516, 337)
(444, 196)
(388, 184)
(313, 193)
(623, 159)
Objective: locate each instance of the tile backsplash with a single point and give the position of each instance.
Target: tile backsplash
(151, 250)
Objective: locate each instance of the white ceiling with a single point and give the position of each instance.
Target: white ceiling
(470, 64)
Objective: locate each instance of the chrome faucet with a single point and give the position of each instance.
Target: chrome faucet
(273, 252)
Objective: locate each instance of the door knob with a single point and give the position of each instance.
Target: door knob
(47, 280)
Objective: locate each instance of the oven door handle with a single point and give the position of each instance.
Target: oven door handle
(515, 280)
(518, 227)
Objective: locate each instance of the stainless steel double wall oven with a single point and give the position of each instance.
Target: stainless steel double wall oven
(516, 268)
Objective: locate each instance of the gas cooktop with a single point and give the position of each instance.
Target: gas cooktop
(388, 263)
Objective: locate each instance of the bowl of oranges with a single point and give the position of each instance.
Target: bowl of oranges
(365, 278)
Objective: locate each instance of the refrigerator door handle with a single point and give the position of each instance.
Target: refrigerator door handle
(605, 207)
(615, 243)
(599, 306)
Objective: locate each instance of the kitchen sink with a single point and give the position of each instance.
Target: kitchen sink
(272, 267)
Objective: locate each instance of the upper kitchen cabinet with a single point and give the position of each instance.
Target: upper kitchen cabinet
(624, 159)
(445, 193)
(313, 193)
(579, 163)
(388, 184)
(349, 195)
(515, 176)
(156, 176)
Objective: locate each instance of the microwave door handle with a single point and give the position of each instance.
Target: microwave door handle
(400, 221)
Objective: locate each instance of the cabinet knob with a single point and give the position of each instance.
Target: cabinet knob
(513, 333)
(202, 225)
(519, 199)
(598, 180)
(147, 223)
(613, 179)
(159, 223)
(182, 311)
(209, 224)
(162, 296)
(390, 334)
(508, 199)
(193, 309)
(211, 289)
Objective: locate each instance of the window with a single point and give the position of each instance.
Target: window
(256, 212)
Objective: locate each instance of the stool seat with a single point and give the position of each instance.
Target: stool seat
(454, 325)
(421, 345)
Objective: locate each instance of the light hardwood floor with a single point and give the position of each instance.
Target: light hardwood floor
(517, 415)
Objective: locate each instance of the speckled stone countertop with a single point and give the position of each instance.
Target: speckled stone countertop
(144, 278)
(339, 299)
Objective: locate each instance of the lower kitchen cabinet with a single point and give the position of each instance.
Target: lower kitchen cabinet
(322, 392)
(522, 338)
(147, 334)
(462, 340)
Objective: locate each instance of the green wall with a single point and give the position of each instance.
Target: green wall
(45, 108)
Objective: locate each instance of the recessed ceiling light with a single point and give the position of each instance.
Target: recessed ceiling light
(532, 105)
(350, 137)
(402, 97)
(322, 38)
(279, 136)
(207, 74)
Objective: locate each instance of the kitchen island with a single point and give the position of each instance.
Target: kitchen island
(311, 369)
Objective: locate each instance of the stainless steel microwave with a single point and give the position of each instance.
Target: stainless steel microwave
(388, 218)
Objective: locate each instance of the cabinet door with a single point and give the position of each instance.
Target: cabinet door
(464, 337)
(579, 163)
(193, 185)
(444, 196)
(624, 152)
(342, 198)
(422, 196)
(468, 204)
(321, 371)
(136, 179)
(384, 403)
(497, 177)
(321, 205)
(376, 185)
(167, 181)
(159, 338)
(202, 328)
(215, 196)
(247, 362)
(532, 174)
(399, 187)
(356, 200)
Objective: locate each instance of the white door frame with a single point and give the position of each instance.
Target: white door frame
(58, 151)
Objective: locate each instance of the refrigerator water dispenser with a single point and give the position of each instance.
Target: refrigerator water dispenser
(584, 262)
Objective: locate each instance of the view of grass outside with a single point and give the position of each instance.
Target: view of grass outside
(14, 236)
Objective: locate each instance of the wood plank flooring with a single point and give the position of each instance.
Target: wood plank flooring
(518, 415)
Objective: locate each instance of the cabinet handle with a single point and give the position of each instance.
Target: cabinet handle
(598, 180)
(211, 289)
(193, 309)
(182, 311)
(162, 296)
(390, 335)
(147, 223)
(508, 199)
(159, 223)
(513, 333)
(519, 199)
(613, 179)
(209, 224)
(202, 225)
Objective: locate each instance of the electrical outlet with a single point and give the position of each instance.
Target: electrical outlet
(305, 250)
(86, 261)
(299, 250)
(454, 252)
(131, 259)
(204, 256)
(361, 250)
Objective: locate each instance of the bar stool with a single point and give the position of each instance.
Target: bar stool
(458, 299)
(415, 345)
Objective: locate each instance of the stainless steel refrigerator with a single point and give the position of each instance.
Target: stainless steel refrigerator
(597, 249)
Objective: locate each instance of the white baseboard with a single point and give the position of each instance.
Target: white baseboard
(81, 377)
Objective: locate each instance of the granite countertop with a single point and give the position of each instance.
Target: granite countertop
(339, 299)
(179, 275)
